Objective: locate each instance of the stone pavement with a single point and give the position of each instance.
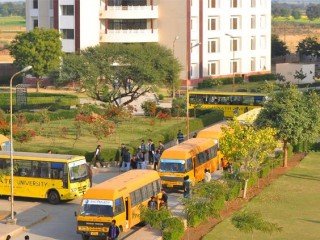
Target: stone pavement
(27, 216)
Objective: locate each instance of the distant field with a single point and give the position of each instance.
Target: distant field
(14, 21)
(303, 19)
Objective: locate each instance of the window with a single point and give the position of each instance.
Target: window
(67, 10)
(213, 45)
(253, 64)
(212, 4)
(263, 42)
(235, 22)
(262, 3)
(51, 4)
(235, 66)
(156, 187)
(234, 3)
(193, 69)
(127, 24)
(213, 68)
(263, 22)
(263, 62)
(35, 23)
(51, 22)
(235, 44)
(35, 4)
(253, 43)
(67, 33)
(253, 3)
(127, 2)
(136, 197)
(189, 166)
(213, 23)
(253, 22)
(4, 164)
(118, 206)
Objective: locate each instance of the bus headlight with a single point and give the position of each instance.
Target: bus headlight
(83, 228)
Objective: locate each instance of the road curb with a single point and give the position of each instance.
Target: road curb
(19, 229)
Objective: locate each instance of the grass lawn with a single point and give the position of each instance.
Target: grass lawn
(292, 201)
(129, 132)
(13, 21)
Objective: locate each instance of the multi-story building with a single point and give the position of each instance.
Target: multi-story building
(209, 37)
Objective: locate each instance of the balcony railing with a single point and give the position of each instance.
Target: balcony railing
(130, 35)
(130, 12)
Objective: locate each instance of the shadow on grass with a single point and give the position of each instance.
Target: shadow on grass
(303, 176)
(308, 220)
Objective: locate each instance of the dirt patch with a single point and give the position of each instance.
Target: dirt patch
(197, 233)
(4, 214)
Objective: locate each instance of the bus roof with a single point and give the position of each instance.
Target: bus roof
(187, 148)
(122, 184)
(226, 93)
(41, 156)
(214, 132)
(3, 139)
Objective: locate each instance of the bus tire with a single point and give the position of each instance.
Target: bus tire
(85, 237)
(53, 197)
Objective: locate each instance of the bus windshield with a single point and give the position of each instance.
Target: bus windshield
(78, 171)
(92, 207)
(172, 165)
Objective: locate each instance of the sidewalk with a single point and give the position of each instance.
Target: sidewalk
(27, 216)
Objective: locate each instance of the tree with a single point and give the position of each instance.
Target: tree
(278, 47)
(296, 14)
(103, 71)
(293, 114)
(309, 46)
(313, 11)
(247, 222)
(285, 12)
(247, 147)
(40, 48)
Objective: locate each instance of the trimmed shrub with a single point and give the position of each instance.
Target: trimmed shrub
(265, 170)
(160, 96)
(261, 77)
(173, 229)
(149, 108)
(213, 82)
(155, 218)
(179, 107)
(234, 188)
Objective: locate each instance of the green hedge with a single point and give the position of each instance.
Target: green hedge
(211, 117)
(234, 188)
(57, 115)
(213, 82)
(261, 77)
(41, 100)
(173, 229)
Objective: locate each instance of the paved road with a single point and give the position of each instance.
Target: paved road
(61, 223)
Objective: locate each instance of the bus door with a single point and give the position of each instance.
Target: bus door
(128, 208)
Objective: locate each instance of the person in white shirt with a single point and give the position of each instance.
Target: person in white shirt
(207, 175)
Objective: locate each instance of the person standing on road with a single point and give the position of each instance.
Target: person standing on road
(97, 157)
(151, 148)
(161, 147)
(26, 237)
(186, 187)
(207, 176)
(114, 231)
(180, 137)
(143, 149)
(156, 159)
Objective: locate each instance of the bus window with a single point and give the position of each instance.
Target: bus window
(91, 207)
(118, 206)
(156, 187)
(57, 170)
(136, 197)
(189, 166)
(23, 168)
(4, 164)
(258, 100)
(170, 165)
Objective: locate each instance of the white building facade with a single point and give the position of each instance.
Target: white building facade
(211, 38)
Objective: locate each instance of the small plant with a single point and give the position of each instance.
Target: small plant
(150, 108)
(154, 217)
(173, 229)
(161, 97)
(248, 222)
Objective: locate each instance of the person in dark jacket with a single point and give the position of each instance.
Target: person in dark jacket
(152, 149)
(180, 137)
(114, 231)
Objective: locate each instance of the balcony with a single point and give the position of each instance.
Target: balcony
(129, 12)
(130, 36)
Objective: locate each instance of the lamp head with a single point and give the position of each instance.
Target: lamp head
(26, 69)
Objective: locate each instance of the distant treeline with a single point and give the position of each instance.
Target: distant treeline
(12, 9)
(312, 11)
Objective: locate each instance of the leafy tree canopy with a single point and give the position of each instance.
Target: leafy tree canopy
(313, 11)
(278, 47)
(309, 46)
(103, 71)
(295, 116)
(40, 48)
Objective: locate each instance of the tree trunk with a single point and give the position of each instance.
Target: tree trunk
(285, 153)
(38, 84)
(245, 188)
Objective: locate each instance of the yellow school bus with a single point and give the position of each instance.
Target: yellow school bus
(231, 103)
(214, 132)
(4, 143)
(54, 177)
(190, 158)
(119, 198)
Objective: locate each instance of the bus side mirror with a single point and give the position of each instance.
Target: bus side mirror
(75, 214)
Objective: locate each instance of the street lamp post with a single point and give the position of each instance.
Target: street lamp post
(233, 57)
(12, 219)
(173, 45)
(188, 125)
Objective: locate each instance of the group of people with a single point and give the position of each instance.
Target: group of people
(153, 203)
